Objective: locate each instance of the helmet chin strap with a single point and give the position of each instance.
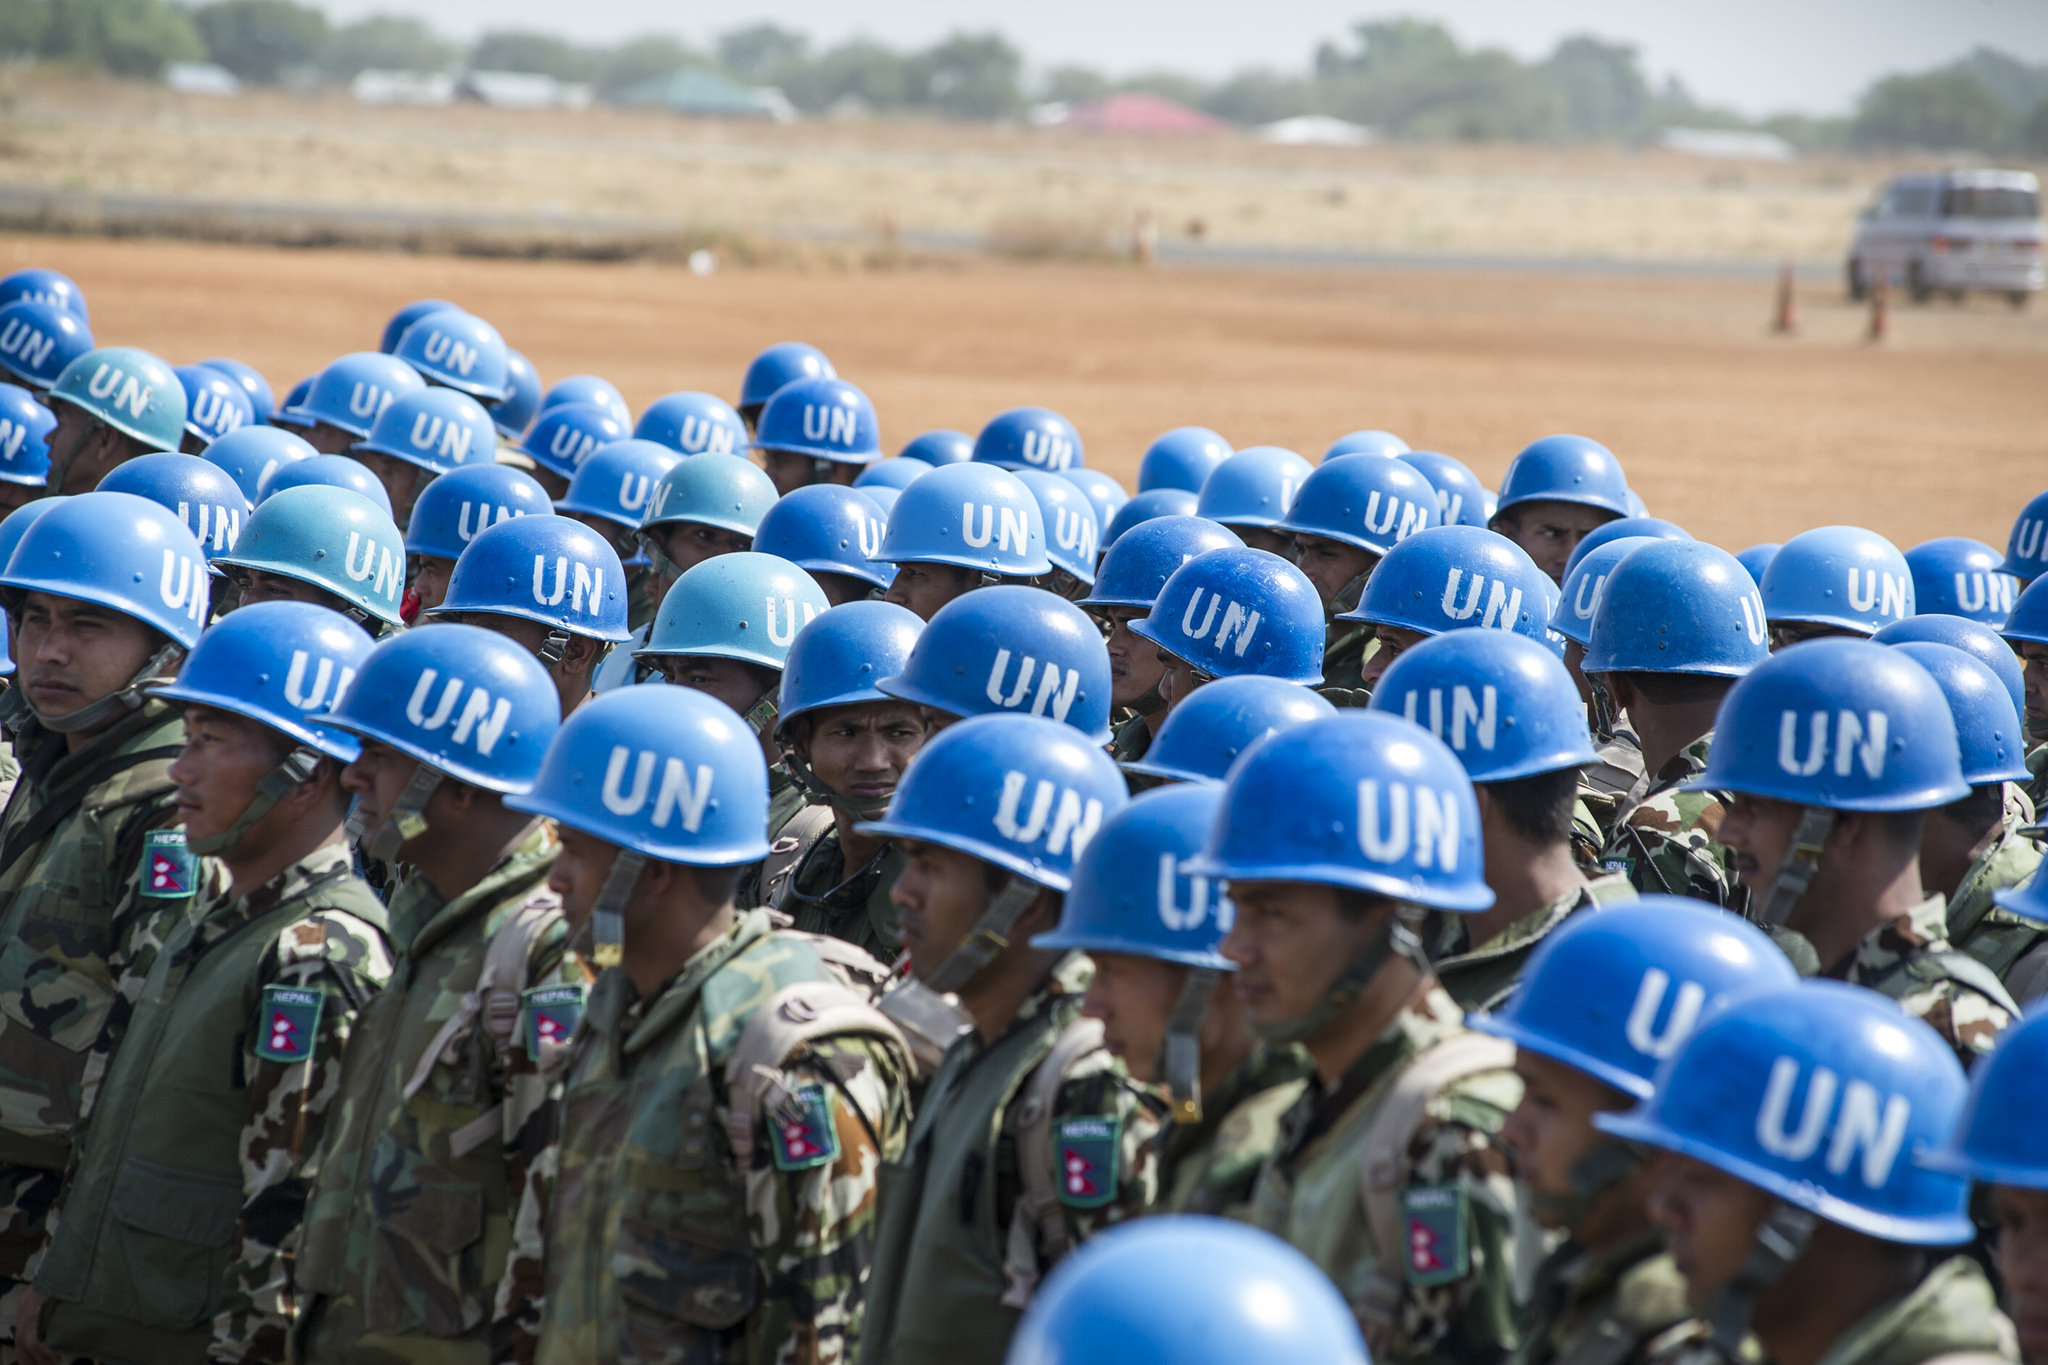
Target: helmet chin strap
(1181, 1052)
(816, 793)
(990, 936)
(299, 766)
(608, 912)
(96, 715)
(1605, 714)
(407, 820)
(1150, 704)
(1781, 1240)
(1796, 873)
(1400, 940)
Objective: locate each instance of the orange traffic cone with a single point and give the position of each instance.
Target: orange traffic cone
(1787, 320)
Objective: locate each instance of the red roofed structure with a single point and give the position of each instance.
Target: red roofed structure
(1138, 112)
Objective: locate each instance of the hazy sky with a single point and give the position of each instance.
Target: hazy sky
(1757, 55)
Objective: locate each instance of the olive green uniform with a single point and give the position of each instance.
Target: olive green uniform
(1998, 938)
(1609, 1308)
(1480, 976)
(1210, 1165)
(823, 897)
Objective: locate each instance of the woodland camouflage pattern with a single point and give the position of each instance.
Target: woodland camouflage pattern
(1209, 1166)
(1998, 938)
(1664, 842)
(662, 1248)
(823, 898)
(1898, 960)
(1593, 1309)
(1479, 978)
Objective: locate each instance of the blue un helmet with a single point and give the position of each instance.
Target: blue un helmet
(1014, 649)
(1135, 569)
(514, 413)
(1203, 735)
(1819, 1094)
(826, 529)
(1159, 502)
(1579, 596)
(262, 398)
(1624, 528)
(2026, 554)
(1191, 1290)
(38, 284)
(129, 390)
(2028, 623)
(214, 403)
(455, 508)
(1617, 993)
(25, 427)
(37, 340)
(1460, 500)
(1565, 469)
(1988, 729)
(1454, 577)
(1757, 558)
(941, 446)
(1371, 441)
(1229, 612)
(1183, 458)
(1678, 606)
(692, 423)
(1253, 487)
(825, 419)
(972, 516)
(542, 568)
(1366, 501)
(1104, 491)
(563, 437)
(1839, 576)
(336, 540)
(1072, 533)
(616, 482)
(896, 473)
(1503, 702)
(330, 471)
(200, 493)
(12, 528)
(742, 606)
(712, 489)
(1998, 1141)
(457, 350)
(406, 317)
(783, 363)
(841, 656)
(253, 455)
(1030, 438)
(1957, 576)
(352, 392)
(118, 551)
(1975, 639)
(588, 388)
(438, 430)
(287, 412)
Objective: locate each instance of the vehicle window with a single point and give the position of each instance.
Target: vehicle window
(1912, 201)
(1972, 201)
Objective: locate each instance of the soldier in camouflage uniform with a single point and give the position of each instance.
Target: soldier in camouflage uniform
(1824, 818)
(173, 1231)
(1603, 1002)
(1787, 1213)
(730, 1099)
(1030, 1137)
(1510, 712)
(1618, 752)
(444, 1121)
(95, 808)
(1334, 835)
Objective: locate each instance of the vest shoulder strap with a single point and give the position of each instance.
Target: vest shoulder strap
(1930, 967)
(1037, 1227)
(495, 998)
(794, 1016)
(787, 853)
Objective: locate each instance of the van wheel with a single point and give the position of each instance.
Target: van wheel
(1955, 296)
(1917, 287)
(1858, 290)
(2018, 297)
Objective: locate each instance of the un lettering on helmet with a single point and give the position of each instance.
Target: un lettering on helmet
(870, 537)
(831, 424)
(679, 794)
(384, 570)
(1977, 590)
(1641, 1030)
(1503, 605)
(430, 431)
(26, 343)
(183, 586)
(1059, 815)
(1075, 533)
(326, 674)
(12, 434)
(210, 520)
(481, 722)
(120, 389)
(699, 434)
(468, 526)
(1890, 593)
(1238, 620)
(1477, 717)
(1204, 897)
(1056, 687)
(1013, 534)
(214, 412)
(368, 401)
(442, 349)
(633, 490)
(2025, 542)
(1421, 823)
(1844, 734)
(577, 581)
(1402, 518)
(1047, 450)
(1754, 624)
(782, 624)
(570, 445)
(1861, 1122)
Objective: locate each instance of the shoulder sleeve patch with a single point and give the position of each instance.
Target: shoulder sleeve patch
(169, 869)
(805, 1136)
(1086, 1149)
(1434, 1216)
(288, 1022)
(550, 1015)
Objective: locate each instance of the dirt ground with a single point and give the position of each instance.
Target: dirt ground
(1739, 435)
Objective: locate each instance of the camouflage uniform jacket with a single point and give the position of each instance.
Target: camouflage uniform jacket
(1131, 740)
(1208, 1166)
(1602, 1309)
(2037, 790)
(785, 798)
(1479, 978)
(823, 898)
(10, 771)
(2010, 945)
(74, 911)
(411, 1249)
(1345, 650)
(1603, 785)
(663, 1244)
(171, 1239)
(935, 1297)
(1663, 839)
(1910, 960)
(1459, 1200)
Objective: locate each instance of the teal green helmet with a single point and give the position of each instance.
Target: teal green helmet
(130, 390)
(333, 538)
(743, 606)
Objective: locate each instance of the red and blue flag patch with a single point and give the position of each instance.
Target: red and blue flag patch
(804, 1135)
(1087, 1153)
(169, 869)
(288, 1023)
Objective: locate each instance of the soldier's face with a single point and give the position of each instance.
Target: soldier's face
(841, 588)
(1392, 640)
(430, 580)
(1291, 941)
(1177, 678)
(1551, 1130)
(1134, 999)
(618, 535)
(1548, 532)
(1134, 664)
(939, 897)
(402, 481)
(1574, 656)
(1760, 831)
(738, 685)
(578, 874)
(376, 780)
(1266, 538)
(861, 751)
(96, 448)
(224, 758)
(1331, 565)
(2022, 1252)
(924, 588)
(1785, 634)
(1709, 1219)
(688, 544)
(2035, 659)
(329, 439)
(789, 471)
(255, 585)
(72, 653)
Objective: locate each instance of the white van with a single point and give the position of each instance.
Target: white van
(1951, 232)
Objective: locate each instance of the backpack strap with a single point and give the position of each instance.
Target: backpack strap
(1386, 1169)
(1931, 966)
(787, 853)
(792, 1017)
(1037, 1227)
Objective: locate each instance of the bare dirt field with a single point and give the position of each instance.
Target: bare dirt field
(1739, 435)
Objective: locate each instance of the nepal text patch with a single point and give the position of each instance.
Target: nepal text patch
(290, 1020)
(1434, 1216)
(805, 1136)
(169, 869)
(1087, 1153)
(551, 1014)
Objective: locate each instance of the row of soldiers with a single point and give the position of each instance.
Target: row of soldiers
(817, 977)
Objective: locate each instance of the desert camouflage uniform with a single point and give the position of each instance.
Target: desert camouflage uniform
(411, 1249)
(68, 935)
(663, 1245)
(1345, 650)
(1480, 977)
(1663, 841)
(1952, 1311)
(946, 1204)
(2013, 947)
(173, 1234)
(1457, 1303)
(824, 898)
(1131, 740)
(1208, 1166)
(1589, 1308)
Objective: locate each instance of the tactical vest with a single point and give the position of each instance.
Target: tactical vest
(141, 1257)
